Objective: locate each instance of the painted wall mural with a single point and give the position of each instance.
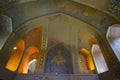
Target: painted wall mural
(58, 60)
(115, 7)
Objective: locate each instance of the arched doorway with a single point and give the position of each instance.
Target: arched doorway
(99, 60)
(31, 54)
(113, 36)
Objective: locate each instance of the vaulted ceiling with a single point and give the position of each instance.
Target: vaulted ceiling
(98, 13)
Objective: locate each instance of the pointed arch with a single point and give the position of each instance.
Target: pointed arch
(113, 37)
(30, 54)
(98, 58)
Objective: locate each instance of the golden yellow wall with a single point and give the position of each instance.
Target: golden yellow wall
(16, 56)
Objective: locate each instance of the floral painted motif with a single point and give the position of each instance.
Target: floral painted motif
(115, 7)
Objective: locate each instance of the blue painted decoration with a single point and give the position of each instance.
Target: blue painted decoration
(58, 60)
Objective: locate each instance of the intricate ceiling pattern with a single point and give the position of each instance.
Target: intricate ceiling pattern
(115, 7)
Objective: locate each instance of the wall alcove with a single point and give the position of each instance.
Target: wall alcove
(57, 46)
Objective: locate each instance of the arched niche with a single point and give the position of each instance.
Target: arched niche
(86, 62)
(31, 54)
(61, 28)
(113, 37)
(26, 50)
(33, 42)
(16, 56)
(98, 58)
(30, 32)
(76, 35)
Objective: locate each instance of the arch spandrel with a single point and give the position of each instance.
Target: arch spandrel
(29, 10)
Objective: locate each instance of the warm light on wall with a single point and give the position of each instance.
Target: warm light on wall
(31, 54)
(33, 41)
(15, 48)
(16, 56)
(90, 63)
